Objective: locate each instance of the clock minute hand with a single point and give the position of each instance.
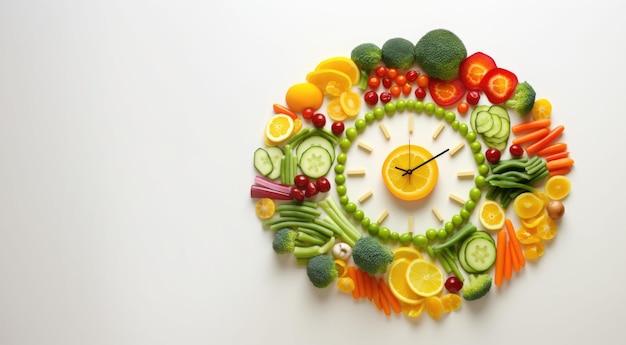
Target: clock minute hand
(424, 163)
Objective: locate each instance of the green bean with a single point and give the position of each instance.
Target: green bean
(509, 184)
(277, 220)
(543, 174)
(304, 224)
(532, 169)
(444, 262)
(307, 237)
(298, 214)
(297, 208)
(509, 165)
(296, 139)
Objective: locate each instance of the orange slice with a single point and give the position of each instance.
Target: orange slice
(413, 311)
(527, 205)
(527, 235)
(434, 307)
(491, 215)
(542, 109)
(416, 185)
(304, 95)
(557, 187)
(409, 253)
(342, 64)
(546, 230)
(342, 267)
(396, 279)
(330, 81)
(534, 251)
(265, 208)
(279, 128)
(345, 284)
(350, 103)
(424, 278)
(533, 221)
(335, 111)
(451, 302)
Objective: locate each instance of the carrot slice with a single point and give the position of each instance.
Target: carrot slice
(563, 171)
(531, 137)
(530, 125)
(517, 247)
(561, 163)
(281, 109)
(557, 156)
(352, 274)
(552, 149)
(500, 252)
(393, 301)
(508, 261)
(543, 142)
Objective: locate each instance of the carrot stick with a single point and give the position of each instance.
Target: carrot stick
(352, 274)
(359, 283)
(559, 164)
(517, 247)
(552, 149)
(537, 146)
(364, 283)
(383, 297)
(393, 301)
(557, 156)
(563, 171)
(376, 293)
(514, 260)
(368, 285)
(500, 251)
(508, 261)
(281, 109)
(531, 137)
(530, 125)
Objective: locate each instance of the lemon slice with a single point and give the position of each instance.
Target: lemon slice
(424, 278)
(409, 253)
(557, 187)
(279, 127)
(396, 279)
(491, 215)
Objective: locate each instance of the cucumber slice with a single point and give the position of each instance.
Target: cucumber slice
(499, 110)
(484, 122)
(316, 140)
(482, 234)
(505, 130)
(480, 253)
(263, 162)
(276, 155)
(315, 162)
(497, 125)
(462, 261)
(474, 114)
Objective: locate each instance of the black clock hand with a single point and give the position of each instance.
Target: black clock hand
(410, 171)
(405, 170)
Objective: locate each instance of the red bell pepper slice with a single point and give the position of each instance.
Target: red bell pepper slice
(446, 93)
(473, 68)
(498, 84)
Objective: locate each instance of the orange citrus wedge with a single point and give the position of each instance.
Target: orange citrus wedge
(350, 103)
(335, 111)
(546, 229)
(534, 251)
(413, 310)
(451, 302)
(434, 307)
(491, 215)
(265, 208)
(557, 187)
(542, 109)
(396, 279)
(424, 278)
(416, 185)
(342, 64)
(330, 81)
(527, 235)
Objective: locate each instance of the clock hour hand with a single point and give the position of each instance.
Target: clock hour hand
(410, 171)
(406, 171)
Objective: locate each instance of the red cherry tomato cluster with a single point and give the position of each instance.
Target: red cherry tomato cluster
(304, 188)
(394, 83)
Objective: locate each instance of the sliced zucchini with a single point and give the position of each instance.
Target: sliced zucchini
(480, 253)
(315, 162)
(276, 155)
(263, 162)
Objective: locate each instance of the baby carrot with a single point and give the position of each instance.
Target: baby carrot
(376, 292)
(530, 125)
(360, 287)
(368, 285)
(391, 299)
(383, 297)
(531, 137)
(542, 143)
(364, 282)
(508, 261)
(559, 164)
(563, 171)
(557, 156)
(500, 251)
(517, 247)
(552, 149)
(281, 109)
(514, 260)
(352, 274)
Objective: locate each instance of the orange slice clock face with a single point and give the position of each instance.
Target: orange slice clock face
(405, 174)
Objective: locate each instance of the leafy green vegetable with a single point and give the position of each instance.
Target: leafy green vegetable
(523, 99)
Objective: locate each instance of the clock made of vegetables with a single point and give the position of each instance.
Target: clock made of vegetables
(414, 175)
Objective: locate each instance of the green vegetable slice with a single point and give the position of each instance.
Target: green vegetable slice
(263, 162)
(315, 162)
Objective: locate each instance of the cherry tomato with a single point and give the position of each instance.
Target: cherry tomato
(370, 97)
(423, 80)
(463, 107)
(473, 97)
(337, 128)
(301, 181)
(387, 82)
(493, 155)
(392, 73)
(412, 75)
(373, 82)
(323, 184)
(420, 93)
(406, 89)
(307, 113)
(319, 120)
(516, 151)
(395, 90)
(381, 71)
(453, 284)
(297, 194)
(310, 190)
(385, 96)
(401, 79)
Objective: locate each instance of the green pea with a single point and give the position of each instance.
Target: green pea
(457, 219)
(340, 179)
(379, 112)
(450, 116)
(344, 199)
(360, 125)
(365, 222)
(373, 229)
(394, 236)
(431, 234)
(475, 194)
(341, 189)
(479, 158)
(483, 169)
(339, 168)
(419, 106)
(475, 146)
(351, 133)
(442, 234)
(465, 213)
(350, 207)
(420, 241)
(470, 136)
(384, 233)
(358, 215)
(344, 144)
(470, 205)
(342, 158)
(369, 117)
(400, 105)
(390, 108)
(410, 105)
(440, 112)
(480, 181)
(448, 226)
(406, 238)
(455, 125)
(463, 129)
(429, 108)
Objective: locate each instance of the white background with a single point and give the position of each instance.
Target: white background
(126, 137)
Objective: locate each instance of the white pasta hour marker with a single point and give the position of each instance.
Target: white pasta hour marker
(411, 221)
(356, 172)
(385, 131)
(365, 196)
(382, 216)
(457, 199)
(438, 130)
(465, 174)
(437, 214)
(457, 148)
(411, 121)
(365, 147)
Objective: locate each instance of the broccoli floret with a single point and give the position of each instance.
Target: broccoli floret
(398, 53)
(284, 241)
(439, 53)
(287, 240)
(321, 270)
(477, 287)
(523, 99)
(366, 56)
(371, 255)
